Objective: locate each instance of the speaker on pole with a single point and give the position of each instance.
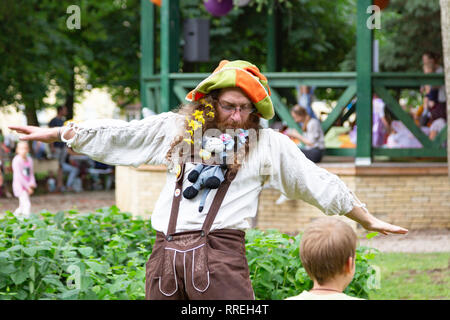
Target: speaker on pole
(196, 40)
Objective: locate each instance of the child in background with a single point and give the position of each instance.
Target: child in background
(51, 182)
(23, 179)
(328, 252)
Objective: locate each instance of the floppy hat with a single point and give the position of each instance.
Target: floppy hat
(241, 74)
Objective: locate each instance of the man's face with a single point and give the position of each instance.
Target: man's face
(233, 108)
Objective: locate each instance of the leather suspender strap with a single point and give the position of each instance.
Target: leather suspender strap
(176, 202)
(212, 212)
(217, 202)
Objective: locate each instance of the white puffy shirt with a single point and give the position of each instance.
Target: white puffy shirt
(275, 161)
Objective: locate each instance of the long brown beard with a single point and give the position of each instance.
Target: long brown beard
(212, 123)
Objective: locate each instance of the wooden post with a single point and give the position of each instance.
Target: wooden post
(445, 27)
(170, 40)
(364, 43)
(147, 49)
(272, 41)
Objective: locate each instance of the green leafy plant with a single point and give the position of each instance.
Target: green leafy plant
(276, 270)
(102, 255)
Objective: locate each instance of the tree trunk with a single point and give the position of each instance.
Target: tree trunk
(445, 27)
(30, 113)
(70, 96)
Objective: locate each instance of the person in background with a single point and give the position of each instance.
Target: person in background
(97, 169)
(436, 127)
(380, 126)
(4, 166)
(435, 97)
(51, 182)
(313, 138)
(305, 95)
(69, 167)
(39, 150)
(328, 252)
(24, 181)
(57, 148)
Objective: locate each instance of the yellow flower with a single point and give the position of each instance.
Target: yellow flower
(189, 141)
(190, 132)
(210, 114)
(194, 124)
(197, 113)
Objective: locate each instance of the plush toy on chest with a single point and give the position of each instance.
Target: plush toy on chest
(209, 177)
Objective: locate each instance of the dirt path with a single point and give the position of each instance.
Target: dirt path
(414, 241)
(84, 201)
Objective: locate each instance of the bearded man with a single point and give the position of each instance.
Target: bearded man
(201, 255)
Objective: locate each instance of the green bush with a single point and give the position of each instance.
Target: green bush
(102, 255)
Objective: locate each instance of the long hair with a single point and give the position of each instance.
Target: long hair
(180, 145)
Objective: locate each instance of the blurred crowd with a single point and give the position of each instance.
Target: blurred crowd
(430, 115)
(74, 172)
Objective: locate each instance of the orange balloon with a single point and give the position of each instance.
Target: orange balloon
(157, 2)
(381, 3)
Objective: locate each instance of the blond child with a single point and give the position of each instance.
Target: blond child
(23, 179)
(328, 251)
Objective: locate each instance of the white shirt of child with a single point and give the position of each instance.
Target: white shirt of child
(306, 295)
(276, 161)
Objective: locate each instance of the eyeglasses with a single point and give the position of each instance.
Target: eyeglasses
(230, 109)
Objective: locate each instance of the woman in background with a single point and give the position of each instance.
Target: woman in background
(312, 138)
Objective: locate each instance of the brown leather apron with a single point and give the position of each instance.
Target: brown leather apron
(202, 264)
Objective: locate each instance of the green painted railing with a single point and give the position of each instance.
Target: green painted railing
(183, 82)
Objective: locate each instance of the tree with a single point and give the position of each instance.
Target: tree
(315, 35)
(409, 28)
(39, 52)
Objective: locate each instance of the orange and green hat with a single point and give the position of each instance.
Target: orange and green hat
(242, 74)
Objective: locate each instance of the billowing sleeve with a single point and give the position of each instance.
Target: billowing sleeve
(288, 170)
(118, 142)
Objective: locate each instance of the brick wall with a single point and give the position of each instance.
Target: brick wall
(414, 196)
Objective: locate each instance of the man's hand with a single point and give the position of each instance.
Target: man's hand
(46, 135)
(370, 223)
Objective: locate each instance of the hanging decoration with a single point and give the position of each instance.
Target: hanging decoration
(381, 3)
(157, 2)
(218, 8)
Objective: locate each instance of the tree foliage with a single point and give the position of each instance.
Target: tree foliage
(312, 35)
(408, 29)
(39, 52)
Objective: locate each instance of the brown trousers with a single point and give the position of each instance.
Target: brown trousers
(195, 267)
(198, 265)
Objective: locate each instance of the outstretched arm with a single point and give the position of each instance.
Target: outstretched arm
(114, 142)
(298, 178)
(370, 223)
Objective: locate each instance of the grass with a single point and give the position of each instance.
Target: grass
(413, 276)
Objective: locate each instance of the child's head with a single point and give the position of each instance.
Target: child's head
(328, 249)
(22, 148)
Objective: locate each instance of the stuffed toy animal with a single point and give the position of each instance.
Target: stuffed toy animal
(211, 176)
(203, 177)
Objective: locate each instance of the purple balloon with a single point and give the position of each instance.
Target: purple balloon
(217, 8)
